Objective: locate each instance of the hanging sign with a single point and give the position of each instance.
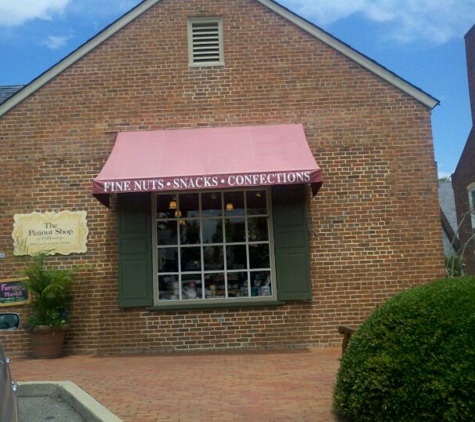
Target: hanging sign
(53, 233)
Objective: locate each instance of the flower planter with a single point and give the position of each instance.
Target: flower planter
(47, 342)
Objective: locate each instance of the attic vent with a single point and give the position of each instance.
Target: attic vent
(205, 42)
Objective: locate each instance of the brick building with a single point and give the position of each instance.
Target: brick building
(241, 254)
(463, 179)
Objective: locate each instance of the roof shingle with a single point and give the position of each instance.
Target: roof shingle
(7, 91)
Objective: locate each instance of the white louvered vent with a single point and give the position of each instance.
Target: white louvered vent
(205, 42)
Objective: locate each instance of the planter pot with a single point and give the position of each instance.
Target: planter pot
(47, 342)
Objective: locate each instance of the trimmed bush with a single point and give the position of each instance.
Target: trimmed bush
(413, 359)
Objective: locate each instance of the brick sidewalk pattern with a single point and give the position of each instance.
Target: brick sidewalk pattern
(290, 385)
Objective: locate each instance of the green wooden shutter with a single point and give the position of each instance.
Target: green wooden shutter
(291, 243)
(135, 250)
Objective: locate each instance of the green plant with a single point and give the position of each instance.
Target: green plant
(413, 359)
(52, 293)
(453, 265)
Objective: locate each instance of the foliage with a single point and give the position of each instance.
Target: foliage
(413, 359)
(453, 265)
(52, 291)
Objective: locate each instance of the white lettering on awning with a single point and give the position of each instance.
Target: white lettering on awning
(207, 182)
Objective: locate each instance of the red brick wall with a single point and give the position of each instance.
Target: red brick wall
(375, 222)
(470, 52)
(464, 174)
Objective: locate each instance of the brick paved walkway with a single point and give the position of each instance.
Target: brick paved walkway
(291, 385)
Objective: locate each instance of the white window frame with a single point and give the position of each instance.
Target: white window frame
(471, 202)
(227, 300)
(191, 60)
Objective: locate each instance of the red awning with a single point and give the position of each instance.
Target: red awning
(208, 158)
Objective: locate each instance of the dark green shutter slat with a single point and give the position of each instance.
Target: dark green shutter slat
(135, 250)
(292, 257)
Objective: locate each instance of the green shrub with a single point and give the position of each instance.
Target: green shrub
(413, 359)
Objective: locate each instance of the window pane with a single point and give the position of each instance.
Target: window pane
(213, 258)
(256, 202)
(235, 230)
(163, 206)
(168, 287)
(189, 204)
(167, 260)
(472, 206)
(190, 232)
(236, 257)
(257, 227)
(167, 232)
(259, 256)
(191, 259)
(191, 286)
(212, 230)
(260, 283)
(234, 203)
(214, 285)
(237, 284)
(211, 204)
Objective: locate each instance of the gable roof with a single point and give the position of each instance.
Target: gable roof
(300, 22)
(448, 217)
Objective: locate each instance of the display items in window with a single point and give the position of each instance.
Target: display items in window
(213, 246)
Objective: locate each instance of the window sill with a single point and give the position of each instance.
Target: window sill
(233, 304)
(205, 64)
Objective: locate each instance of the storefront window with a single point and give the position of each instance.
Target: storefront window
(471, 194)
(213, 246)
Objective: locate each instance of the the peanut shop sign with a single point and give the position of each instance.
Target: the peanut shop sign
(62, 233)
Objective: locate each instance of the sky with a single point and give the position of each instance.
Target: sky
(421, 41)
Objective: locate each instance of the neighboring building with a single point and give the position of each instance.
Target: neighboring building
(463, 179)
(200, 125)
(7, 91)
(448, 218)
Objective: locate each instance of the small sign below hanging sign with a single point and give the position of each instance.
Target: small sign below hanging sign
(14, 291)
